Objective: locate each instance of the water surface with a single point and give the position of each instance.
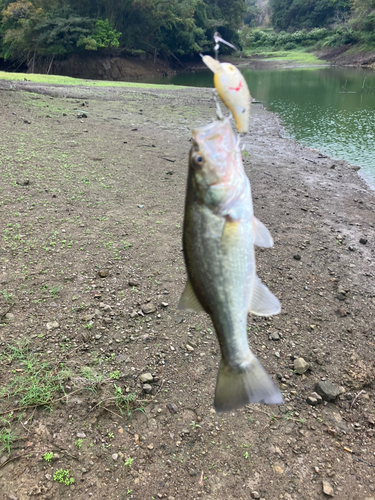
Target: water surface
(329, 109)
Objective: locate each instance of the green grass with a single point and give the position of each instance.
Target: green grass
(296, 56)
(67, 80)
(31, 380)
(7, 437)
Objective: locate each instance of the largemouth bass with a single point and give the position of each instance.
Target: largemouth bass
(220, 232)
(232, 88)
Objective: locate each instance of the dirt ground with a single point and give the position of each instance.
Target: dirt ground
(92, 187)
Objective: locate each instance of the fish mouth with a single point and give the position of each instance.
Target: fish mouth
(215, 137)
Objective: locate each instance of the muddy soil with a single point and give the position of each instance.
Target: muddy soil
(92, 187)
(98, 67)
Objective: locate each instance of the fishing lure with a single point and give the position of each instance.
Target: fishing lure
(232, 88)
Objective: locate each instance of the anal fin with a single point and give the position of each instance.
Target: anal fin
(189, 301)
(263, 302)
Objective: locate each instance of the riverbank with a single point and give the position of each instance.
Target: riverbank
(91, 206)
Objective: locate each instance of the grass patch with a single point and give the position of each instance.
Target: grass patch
(296, 56)
(67, 80)
(31, 380)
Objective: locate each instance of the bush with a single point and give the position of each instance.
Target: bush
(290, 46)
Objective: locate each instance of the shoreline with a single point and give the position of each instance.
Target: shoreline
(93, 208)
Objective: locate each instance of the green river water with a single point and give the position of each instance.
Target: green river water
(329, 109)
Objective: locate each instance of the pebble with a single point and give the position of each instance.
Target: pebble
(81, 435)
(192, 472)
(255, 494)
(327, 390)
(147, 388)
(52, 325)
(146, 377)
(172, 408)
(314, 399)
(189, 348)
(363, 241)
(296, 257)
(149, 308)
(327, 488)
(103, 273)
(274, 336)
(132, 283)
(9, 317)
(301, 366)
(115, 456)
(150, 446)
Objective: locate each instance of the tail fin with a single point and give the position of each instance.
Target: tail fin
(238, 388)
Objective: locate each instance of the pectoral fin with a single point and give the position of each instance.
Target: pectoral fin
(189, 301)
(262, 237)
(263, 302)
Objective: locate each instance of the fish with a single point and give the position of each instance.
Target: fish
(232, 88)
(219, 234)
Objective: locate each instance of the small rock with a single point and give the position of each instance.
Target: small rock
(149, 308)
(314, 399)
(278, 469)
(301, 366)
(150, 446)
(255, 494)
(27, 121)
(81, 435)
(98, 336)
(363, 241)
(165, 304)
(341, 295)
(327, 488)
(311, 401)
(274, 336)
(189, 348)
(52, 325)
(103, 273)
(147, 388)
(297, 257)
(146, 377)
(3, 459)
(132, 283)
(172, 408)
(9, 317)
(115, 456)
(4, 278)
(82, 115)
(192, 472)
(327, 390)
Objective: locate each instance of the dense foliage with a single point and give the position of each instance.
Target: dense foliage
(171, 28)
(348, 21)
(306, 13)
(314, 23)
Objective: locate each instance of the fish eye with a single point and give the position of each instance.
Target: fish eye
(197, 160)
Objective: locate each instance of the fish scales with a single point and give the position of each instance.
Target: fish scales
(218, 240)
